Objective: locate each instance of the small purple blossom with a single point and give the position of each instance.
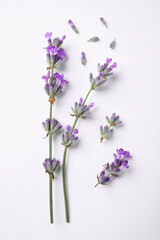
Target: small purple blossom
(68, 138)
(51, 125)
(94, 39)
(46, 77)
(105, 132)
(81, 110)
(83, 58)
(70, 22)
(114, 120)
(48, 35)
(104, 22)
(110, 170)
(50, 165)
(113, 44)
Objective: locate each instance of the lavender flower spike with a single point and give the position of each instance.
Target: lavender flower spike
(110, 170)
(105, 132)
(69, 138)
(81, 111)
(50, 165)
(113, 44)
(70, 22)
(94, 39)
(83, 58)
(104, 22)
(114, 120)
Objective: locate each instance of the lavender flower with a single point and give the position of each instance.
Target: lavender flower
(50, 165)
(83, 58)
(51, 125)
(81, 111)
(110, 170)
(113, 44)
(54, 87)
(114, 120)
(67, 138)
(105, 132)
(70, 22)
(104, 22)
(104, 72)
(94, 39)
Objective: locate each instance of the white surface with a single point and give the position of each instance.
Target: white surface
(128, 208)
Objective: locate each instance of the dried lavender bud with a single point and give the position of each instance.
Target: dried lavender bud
(110, 170)
(104, 22)
(83, 58)
(113, 44)
(105, 132)
(67, 138)
(80, 110)
(94, 39)
(70, 22)
(50, 165)
(114, 120)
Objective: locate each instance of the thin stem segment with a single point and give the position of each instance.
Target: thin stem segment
(64, 163)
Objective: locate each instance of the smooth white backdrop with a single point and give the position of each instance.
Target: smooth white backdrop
(128, 208)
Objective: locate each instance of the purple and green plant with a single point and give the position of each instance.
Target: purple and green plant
(81, 110)
(54, 83)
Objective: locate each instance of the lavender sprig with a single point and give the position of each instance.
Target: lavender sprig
(106, 131)
(111, 170)
(78, 112)
(70, 22)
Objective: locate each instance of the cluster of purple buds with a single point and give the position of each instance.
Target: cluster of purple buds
(54, 87)
(69, 138)
(104, 22)
(83, 58)
(51, 125)
(81, 111)
(94, 39)
(106, 131)
(111, 170)
(55, 54)
(105, 70)
(50, 165)
(70, 22)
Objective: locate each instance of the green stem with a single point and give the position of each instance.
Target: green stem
(64, 163)
(50, 156)
(96, 184)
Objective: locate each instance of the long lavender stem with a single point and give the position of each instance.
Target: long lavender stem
(64, 162)
(50, 156)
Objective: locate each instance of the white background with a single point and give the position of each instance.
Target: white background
(127, 208)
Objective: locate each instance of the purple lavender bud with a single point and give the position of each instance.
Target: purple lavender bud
(101, 74)
(108, 60)
(70, 22)
(94, 39)
(91, 105)
(48, 35)
(75, 131)
(69, 138)
(104, 22)
(83, 58)
(113, 44)
(114, 65)
(68, 128)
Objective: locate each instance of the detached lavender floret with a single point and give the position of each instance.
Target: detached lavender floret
(114, 120)
(110, 170)
(105, 132)
(94, 39)
(80, 110)
(70, 22)
(51, 125)
(104, 22)
(67, 138)
(113, 44)
(50, 165)
(83, 58)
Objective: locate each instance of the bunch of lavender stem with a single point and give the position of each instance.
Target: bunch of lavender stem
(104, 71)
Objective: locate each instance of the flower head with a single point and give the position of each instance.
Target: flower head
(51, 125)
(80, 110)
(70, 22)
(114, 120)
(105, 132)
(68, 138)
(50, 165)
(110, 170)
